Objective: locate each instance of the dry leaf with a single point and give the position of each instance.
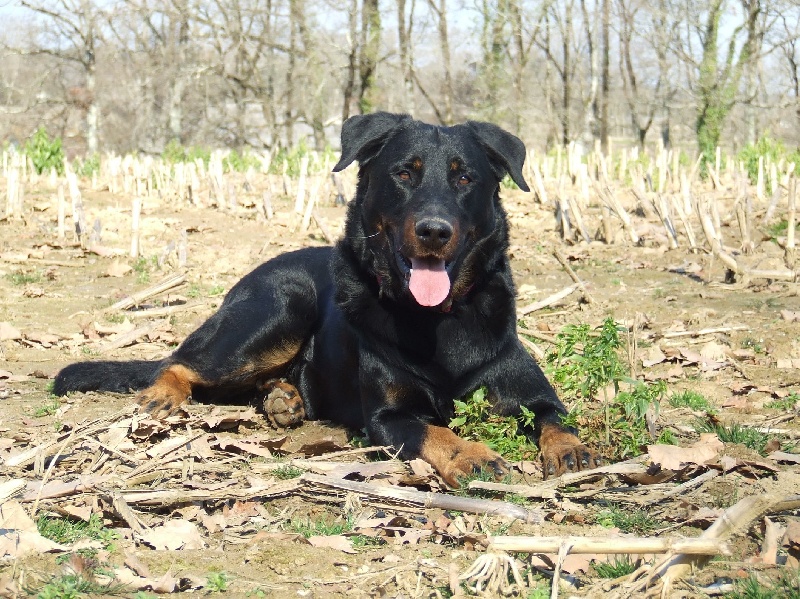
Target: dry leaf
(19, 535)
(339, 542)
(9, 333)
(174, 535)
(118, 269)
(653, 356)
(672, 457)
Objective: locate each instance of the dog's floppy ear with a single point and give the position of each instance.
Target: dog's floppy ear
(363, 136)
(503, 148)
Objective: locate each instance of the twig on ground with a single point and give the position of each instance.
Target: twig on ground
(421, 499)
(587, 297)
(548, 301)
(138, 297)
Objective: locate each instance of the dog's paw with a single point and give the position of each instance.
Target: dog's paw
(563, 452)
(471, 459)
(161, 401)
(283, 405)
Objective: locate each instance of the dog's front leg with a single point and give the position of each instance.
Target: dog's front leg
(402, 417)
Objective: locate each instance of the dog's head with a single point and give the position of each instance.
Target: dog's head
(427, 207)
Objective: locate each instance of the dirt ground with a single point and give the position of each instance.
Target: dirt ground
(54, 310)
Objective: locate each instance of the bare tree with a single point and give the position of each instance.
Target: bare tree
(75, 34)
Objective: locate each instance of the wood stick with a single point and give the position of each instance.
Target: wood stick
(533, 348)
(62, 212)
(165, 311)
(140, 296)
(611, 545)
(706, 331)
(789, 252)
(421, 499)
(136, 211)
(548, 301)
(734, 520)
(573, 275)
(130, 337)
(547, 488)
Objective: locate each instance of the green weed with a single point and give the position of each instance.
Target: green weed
(475, 421)
(584, 360)
(63, 530)
(690, 399)
(736, 433)
(217, 582)
(87, 167)
(309, 528)
(629, 520)
(20, 278)
(287, 472)
(47, 409)
(74, 586)
(45, 153)
(786, 587)
(621, 566)
(784, 404)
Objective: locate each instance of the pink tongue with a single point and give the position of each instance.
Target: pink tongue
(429, 283)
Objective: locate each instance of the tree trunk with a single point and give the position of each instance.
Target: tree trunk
(406, 61)
(370, 48)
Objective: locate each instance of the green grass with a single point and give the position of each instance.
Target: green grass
(690, 399)
(64, 530)
(786, 587)
(287, 472)
(757, 345)
(74, 586)
(309, 528)
(736, 433)
(47, 409)
(626, 519)
(475, 421)
(621, 566)
(785, 404)
(20, 278)
(217, 582)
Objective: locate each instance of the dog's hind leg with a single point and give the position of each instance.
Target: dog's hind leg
(253, 337)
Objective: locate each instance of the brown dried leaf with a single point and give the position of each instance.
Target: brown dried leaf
(672, 457)
(339, 542)
(653, 356)
(9, 333)
(226, 420)
(118, 269)
(174, 535)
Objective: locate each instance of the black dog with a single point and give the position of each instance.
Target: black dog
(412, 309)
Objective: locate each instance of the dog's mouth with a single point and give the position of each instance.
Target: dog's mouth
(427, 278)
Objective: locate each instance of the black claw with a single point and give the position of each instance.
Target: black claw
(586, 459)
(569, 460)
(151, 406)
(551, 469)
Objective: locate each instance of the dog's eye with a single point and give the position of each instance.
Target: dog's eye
(464, 180)
(404, 176)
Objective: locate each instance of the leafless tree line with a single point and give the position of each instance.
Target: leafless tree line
(135, 74)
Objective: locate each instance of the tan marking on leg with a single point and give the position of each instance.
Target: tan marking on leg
(455, 458)
(172, 389)
(270, 360)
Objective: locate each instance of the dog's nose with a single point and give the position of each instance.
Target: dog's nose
(433, 232)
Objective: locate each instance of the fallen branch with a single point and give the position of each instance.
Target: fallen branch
(573, 275)
(734, 520)
(611, 545)
(548, 301)
(140, 296)
(420, 499)
(547, 488)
